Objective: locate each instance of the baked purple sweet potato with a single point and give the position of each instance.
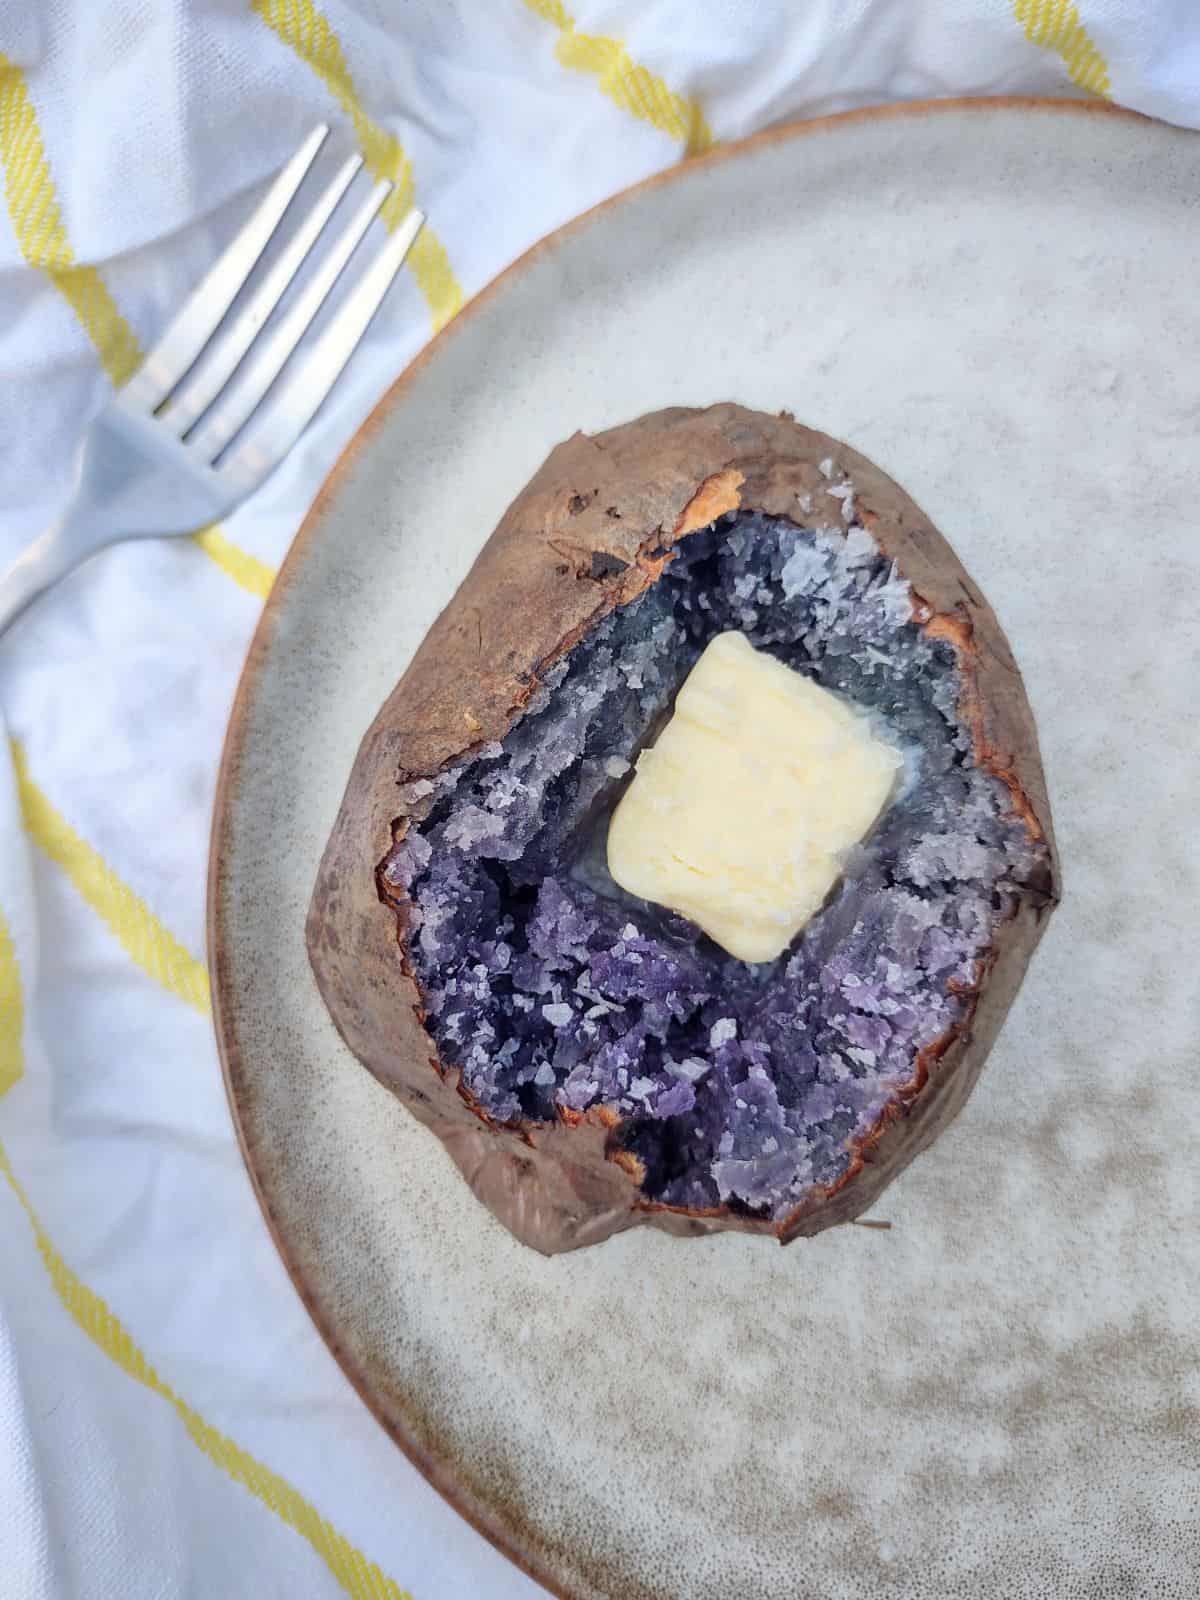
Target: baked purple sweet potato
(591, 1061)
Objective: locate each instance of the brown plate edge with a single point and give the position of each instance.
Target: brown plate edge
(477, 1512)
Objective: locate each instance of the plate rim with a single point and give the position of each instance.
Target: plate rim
(479, 1513)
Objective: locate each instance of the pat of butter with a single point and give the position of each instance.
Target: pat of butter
(739, 815)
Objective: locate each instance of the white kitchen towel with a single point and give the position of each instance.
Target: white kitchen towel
(170, 1422)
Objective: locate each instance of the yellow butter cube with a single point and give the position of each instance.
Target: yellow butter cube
(739, 816)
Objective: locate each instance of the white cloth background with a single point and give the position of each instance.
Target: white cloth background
(170, 1423)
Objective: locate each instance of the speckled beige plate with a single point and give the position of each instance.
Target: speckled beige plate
(1000, 1395)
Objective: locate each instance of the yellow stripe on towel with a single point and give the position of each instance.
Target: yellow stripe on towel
(41, 233)
(240, 565)
(632, 87)
(308, 32)
(139, 931)
(1056, 25)
(12, 1013)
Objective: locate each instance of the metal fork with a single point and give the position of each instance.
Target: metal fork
(195, 430)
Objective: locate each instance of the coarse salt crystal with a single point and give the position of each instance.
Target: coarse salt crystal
(692, 1068)
(416, 790)
(722, 1032)
(557, 1015)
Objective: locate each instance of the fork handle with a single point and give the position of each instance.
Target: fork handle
(56, 550)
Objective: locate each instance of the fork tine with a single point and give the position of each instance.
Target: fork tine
(299, 398)
(198, 391)
(195, 323)
(243, 395)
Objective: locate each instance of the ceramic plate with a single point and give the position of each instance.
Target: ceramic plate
(997, 1396)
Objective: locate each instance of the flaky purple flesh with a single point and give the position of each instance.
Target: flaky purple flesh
(554, 990)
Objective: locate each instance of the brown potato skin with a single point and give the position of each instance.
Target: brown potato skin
(593, 530)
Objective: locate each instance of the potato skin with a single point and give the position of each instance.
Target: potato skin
(591, 531)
